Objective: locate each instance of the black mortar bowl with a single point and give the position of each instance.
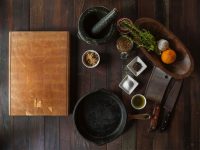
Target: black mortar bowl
(88, 19)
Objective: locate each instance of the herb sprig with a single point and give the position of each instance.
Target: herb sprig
(142, 38)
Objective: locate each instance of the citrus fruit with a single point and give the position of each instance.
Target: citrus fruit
(168, 56)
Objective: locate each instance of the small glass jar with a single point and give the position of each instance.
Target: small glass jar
(124, 45)
(120, 28)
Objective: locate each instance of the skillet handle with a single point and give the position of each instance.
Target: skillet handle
(139, 117)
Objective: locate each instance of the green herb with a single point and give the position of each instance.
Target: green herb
(142, 38)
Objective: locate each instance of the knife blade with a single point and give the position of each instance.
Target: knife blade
(170, 104)
(156, 87)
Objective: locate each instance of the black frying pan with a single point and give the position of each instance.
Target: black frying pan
(100, 116)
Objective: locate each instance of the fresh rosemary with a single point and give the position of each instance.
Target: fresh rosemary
(142, 38)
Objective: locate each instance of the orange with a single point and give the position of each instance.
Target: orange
(168, 56)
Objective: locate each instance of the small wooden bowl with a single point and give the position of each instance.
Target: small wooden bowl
(184, 64)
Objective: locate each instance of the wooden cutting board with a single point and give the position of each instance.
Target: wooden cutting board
(39, 73)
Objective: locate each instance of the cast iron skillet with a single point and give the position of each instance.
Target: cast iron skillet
(100, 116)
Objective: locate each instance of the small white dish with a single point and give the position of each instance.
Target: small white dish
(84, 61)
(128, 84)
(139, 60)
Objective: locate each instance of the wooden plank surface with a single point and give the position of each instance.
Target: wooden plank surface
(59, 133)
(188, 107)
(6, 122)
(36, 140)
(37, 124)
(20, 21)
(152, 140)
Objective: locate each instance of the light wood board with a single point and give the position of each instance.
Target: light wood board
(39, 73)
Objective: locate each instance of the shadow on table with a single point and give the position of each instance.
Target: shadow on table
(4, 142)
(105, 58)
(73, 72)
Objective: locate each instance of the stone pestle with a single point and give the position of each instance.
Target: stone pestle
(104, 22)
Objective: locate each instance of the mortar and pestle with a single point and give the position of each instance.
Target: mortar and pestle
(96, 25)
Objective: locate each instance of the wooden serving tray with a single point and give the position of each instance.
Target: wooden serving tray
(38, 73)
(184, 64)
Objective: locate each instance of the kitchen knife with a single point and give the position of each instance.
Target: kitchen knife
(169, 104)
(156, 87)
(154, 117)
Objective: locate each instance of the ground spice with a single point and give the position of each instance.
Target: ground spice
(124, 44)
(137, 66)
(91, 58)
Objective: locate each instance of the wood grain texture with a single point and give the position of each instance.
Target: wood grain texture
(51, 128)
(19, 14)
(162, 16)
(36, 140)
(152, 140)
(39, 133)
(39, 73)
(128, 142)
(6, 122)
(188, 107)
(147, 8)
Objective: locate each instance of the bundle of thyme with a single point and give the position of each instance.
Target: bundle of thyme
(142, 38)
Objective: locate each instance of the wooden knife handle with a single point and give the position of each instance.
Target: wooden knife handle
(154, 118)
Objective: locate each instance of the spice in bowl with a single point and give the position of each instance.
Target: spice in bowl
(137, 66)
(124, 44)
(122, 29)
(128, 84)
(138, 101)
(90, 59)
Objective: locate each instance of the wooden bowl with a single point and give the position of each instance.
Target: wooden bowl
(184, 64)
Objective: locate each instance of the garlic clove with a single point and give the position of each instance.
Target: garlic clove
(163, 45)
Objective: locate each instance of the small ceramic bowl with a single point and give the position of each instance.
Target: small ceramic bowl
(130, 66)
(128, 84)
(90, 59)
(139, 100)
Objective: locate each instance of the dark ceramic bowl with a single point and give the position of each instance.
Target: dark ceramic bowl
(88, 19)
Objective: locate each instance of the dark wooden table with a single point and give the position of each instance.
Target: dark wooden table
(58, 133)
